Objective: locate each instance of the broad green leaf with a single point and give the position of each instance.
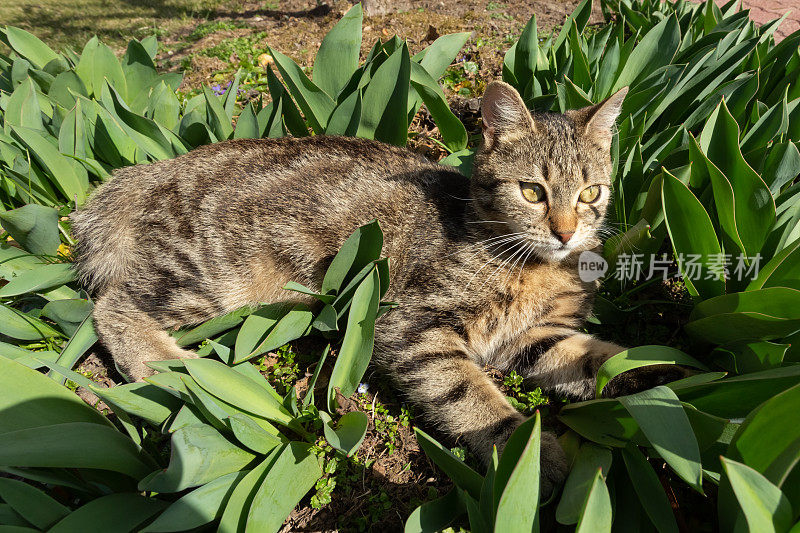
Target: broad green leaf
(34, 227)
(82, 339)
(782, 270)
(736, 397)
(32, 504)
(435, 515)
(292, 475)
(361, 247)
(217, 118)
(348, 433)
(656, 49)
(462, 475)
(29, 46)
(291, 326)
(312, 100)
(385, 101)
(67, 174)
(764, 442)
(143, 400)
(23, 107)
(604, 421)
(591, 457)
(641, 356)
(649, 490)
(359, 337)
(596, 515)
(236, 389)
(212, 327)
(234, 516)
(199, 455)
(453, 132)
(692, 233)
(39, 279)
(18, 325)
(662, 419)
(113, 513)
(765, 506)
(140, 75)
(337, 58)
(518, 507)
(247, 124)
(440, 54)
(251, 433)
(199, 507)
(73, 445)
(255, 329)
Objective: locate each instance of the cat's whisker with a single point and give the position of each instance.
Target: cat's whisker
(495, 238)
(521, 255)
(487, 222)
(505, 262)
(507, 248)
(488, 247)
(522, 268)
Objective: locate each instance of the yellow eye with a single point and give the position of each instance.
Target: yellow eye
(590, 194)
(533, 192)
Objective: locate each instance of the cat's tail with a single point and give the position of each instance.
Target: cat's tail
(105, 250)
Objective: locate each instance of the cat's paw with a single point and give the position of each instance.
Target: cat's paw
(554, 468)
(643, 378)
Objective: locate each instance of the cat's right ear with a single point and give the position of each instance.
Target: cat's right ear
(504, 114)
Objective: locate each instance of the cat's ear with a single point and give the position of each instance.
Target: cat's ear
(504, 114)
(597, 121)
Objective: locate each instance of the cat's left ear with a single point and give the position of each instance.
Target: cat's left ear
(598, 121)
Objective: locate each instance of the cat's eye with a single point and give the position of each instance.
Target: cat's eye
(533, 192)
(590, 194)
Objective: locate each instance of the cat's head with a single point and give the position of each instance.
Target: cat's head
(545, 176)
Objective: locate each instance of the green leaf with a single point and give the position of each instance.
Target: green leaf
(19, 325)
(765, 443)
(31, 504)
(576, 489)
(462, 475)
(349, 432)
(385, 101)
(237, 389)
(312, 100)
(23, 107)
(113, 513)
(39, 279)
(604, 421)
(255, 329)
(649, 490)
(745, 205)
(66, 173)
(234, 516)
(692, 232)
(337, 58)
(247, 124)
(453, 132)
(29, 47)
(765, 506)
(72, 445)
(292, 475)
(199, 455)
(199, 507)
(359, 337)
(361, 247)
(213, 327)
(217, 118)
(440, 54)
(143, 400)
(662, 419)
(762, 314)
(82, 339)
(656, 49)
(641, 356)
(435, 515)
(291, 326)
(34, 227)
(597, 514)
(517, 508)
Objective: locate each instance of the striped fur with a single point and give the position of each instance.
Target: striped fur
(479, 274)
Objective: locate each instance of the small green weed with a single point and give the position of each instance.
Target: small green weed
(525, 401)
(207, 28)
(459, 78)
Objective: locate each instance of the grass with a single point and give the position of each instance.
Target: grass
(60, 23)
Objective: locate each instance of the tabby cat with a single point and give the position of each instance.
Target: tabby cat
(484, 269)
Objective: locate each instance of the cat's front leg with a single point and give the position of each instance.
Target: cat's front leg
(567, 361)
(462, 401)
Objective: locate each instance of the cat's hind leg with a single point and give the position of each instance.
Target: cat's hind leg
(132, 335)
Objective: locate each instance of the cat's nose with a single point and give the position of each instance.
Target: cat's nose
(565, 236)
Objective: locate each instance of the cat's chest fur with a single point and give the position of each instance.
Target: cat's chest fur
(542, 296)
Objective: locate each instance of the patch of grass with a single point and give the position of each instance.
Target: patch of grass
(71, 23)
(207, 28)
